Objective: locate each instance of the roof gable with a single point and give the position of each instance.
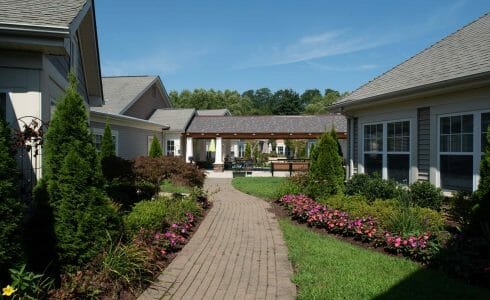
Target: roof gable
(464, 53)
(121, 92)
(177, 119)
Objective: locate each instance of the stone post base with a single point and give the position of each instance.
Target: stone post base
(218, 167)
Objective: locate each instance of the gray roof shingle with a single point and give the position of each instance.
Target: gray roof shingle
(464, 53)
(213, 112)
(177, 119)
(267, 124)
(44, 13)
(121, 91)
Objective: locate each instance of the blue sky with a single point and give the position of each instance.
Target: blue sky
(276, 44)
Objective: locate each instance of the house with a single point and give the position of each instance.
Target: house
(37, 50)
(129, 102)
(426, 118)
(178, 121)
(213, 139)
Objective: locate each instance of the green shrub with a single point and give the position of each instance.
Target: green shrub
(107, 146)
(288, 187)
(11, 207)
(371, 187)
(29, 285)
(326, 174)
(155, 148)
(124, 265)
(120, 181)
(146, 215)
(177, 208)
(414, 220)
(75, 184)
(461, 207)
(425, 194)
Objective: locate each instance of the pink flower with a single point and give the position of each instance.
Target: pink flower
(163, 252)
(397, 242)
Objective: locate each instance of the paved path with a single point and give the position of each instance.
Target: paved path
(237, 253)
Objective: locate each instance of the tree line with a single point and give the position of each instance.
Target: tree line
(257, 102)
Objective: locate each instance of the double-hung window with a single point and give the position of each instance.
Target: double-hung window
(387, 150)
(373, 149)
(456, 152)
(398, 152)
(170, 147)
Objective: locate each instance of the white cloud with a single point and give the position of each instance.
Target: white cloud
(160, 62)
(343, 68)
(311, 47)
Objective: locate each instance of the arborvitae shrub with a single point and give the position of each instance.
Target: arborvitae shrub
(11, 206)
(326, 173)
(107, 147)
(83, 215)
(155, 149)
(75, 184)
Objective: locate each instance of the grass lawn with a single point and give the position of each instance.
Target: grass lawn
(262, 187)
(327, 268)
(169, 187)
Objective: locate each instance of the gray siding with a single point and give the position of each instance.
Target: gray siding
(355, 157)
(132, 142)
(61, 63)
(423, 143)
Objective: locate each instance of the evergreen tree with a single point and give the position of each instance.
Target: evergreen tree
(326, 173)
(74, 182)
(333, 133)
(484, 186)
(155, 149)
(11, 207)
(107, 147)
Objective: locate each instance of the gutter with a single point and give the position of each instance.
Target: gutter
(35, 30)
(97, 116)
(440, 87)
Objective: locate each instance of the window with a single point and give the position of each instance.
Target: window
(485, 123)
(387, 150)
(170, 147)
(280, 150)
(373, 149)
(241, 150)
(98, 133)
(455, 149)
(398, 152)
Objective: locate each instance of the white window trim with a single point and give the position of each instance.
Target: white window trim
(476, 154)
(384, 149)
(173, 146)
(114, 133)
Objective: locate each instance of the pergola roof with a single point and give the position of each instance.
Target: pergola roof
(266, 126)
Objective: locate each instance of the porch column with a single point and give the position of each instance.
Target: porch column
(189, 149)
(218, 158)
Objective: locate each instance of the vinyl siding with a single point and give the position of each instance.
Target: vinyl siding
(423, 143)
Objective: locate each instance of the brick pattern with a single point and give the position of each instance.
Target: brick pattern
(237, 253)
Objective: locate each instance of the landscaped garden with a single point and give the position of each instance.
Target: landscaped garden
(376, 225)
(96, 225)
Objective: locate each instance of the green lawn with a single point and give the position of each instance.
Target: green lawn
(262, 187)
(169, 187)
(327, 268)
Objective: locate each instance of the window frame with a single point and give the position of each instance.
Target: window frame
(172, 146)
(476, 154)
(384, 147)
(115, 137)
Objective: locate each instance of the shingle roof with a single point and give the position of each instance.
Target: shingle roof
(121, 91)
(267, 124)
(45, 13)
(213, 112)
(463, 53)
(177, 119)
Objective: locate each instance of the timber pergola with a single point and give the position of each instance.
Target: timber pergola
(260, 127)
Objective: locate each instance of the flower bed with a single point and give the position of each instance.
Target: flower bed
(306, 210)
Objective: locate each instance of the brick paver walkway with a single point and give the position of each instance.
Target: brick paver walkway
(237, 253)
